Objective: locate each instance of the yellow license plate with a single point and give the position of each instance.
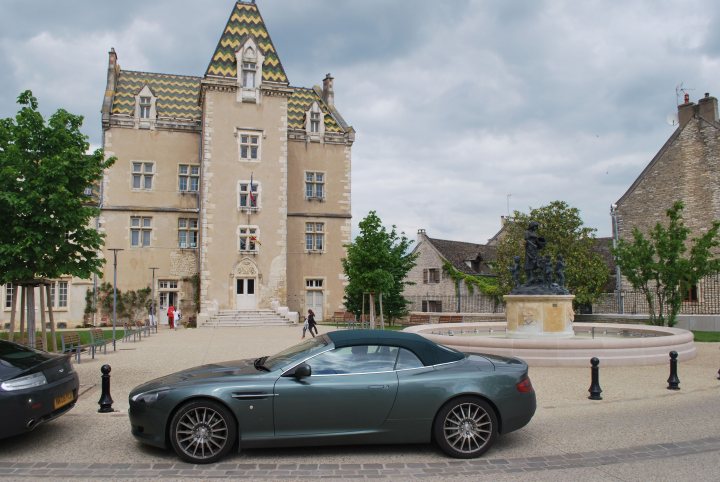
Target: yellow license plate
(63, 400)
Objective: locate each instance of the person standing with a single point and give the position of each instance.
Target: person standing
(171, 317)
(178, 317)
(312, 324)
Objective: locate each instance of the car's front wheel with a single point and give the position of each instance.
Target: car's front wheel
(465, 427)
(202, 432)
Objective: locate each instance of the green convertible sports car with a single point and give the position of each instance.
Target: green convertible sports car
(344, 387)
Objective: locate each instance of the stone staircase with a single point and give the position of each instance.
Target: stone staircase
(234, 318)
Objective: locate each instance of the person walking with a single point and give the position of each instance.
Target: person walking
(178, 317)
(171, 317)
(312, 324)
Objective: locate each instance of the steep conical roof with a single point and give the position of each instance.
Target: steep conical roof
(245, 21)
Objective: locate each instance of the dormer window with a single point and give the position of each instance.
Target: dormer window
(249, 61)
(145, 109)
(314, 122)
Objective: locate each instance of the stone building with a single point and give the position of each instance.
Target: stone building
(234, 182)
(433, 290)
(686, 168)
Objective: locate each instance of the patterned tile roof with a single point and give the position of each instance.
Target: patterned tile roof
(177, 95)
(245, 20)
(300, 102)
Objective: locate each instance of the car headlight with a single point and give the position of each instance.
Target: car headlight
(150, 397)
(29, 381)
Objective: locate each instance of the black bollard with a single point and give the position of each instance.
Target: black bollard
(718, 374)
(595, 389)
(673, 380)
(106, 400)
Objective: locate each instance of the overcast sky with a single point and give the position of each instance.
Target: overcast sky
(459, 106)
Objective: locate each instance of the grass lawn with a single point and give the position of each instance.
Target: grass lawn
(84, 335)
(708, 336)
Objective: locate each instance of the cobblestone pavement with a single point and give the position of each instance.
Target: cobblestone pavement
(454, 468)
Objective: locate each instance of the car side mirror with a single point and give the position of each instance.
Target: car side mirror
(303, 370)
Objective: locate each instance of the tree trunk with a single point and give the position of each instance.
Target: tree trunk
(22, 310)
(13, 307)
(42, 318)
(50, 315)
(31, 316)
(382, 315)
(372, 310)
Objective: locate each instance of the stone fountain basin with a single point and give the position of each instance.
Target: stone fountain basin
(612, 351)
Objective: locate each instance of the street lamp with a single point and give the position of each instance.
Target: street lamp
(115, 252)
(152, 304)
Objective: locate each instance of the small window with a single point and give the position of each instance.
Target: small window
(145, 103)
(248, 238)
(187, 232)
(314, 236)
(59, 294)
(188, 178)
(248, 195)
(432, 306)
(168, 284)
(249, 147)
(314, 284)
(8, 295)
(691, 294)
(140, 231)
(249, 68)
(431, 275)
(314, 122)
(142, 175)
(314, 185)
(407, 359)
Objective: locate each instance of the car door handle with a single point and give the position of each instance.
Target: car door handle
(378, 387)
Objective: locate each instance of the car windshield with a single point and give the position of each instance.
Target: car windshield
(15, 358)
(295, 352)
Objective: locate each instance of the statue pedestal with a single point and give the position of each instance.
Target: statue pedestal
(539, 316)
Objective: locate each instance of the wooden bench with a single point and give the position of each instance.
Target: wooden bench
(71, 343)
(24, 341)
(418, 319)
(450, 319)
(98, 340)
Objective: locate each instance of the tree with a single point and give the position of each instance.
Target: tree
(377, 262)
(563, 229)
(44, 211)
(660, 268)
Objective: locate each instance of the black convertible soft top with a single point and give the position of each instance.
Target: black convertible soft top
(429, 352)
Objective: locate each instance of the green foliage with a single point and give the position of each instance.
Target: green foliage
(563, 229)
(44, 170)
(707, 336)
(136, 304)
(89, 302)
(486, 285)
(378, 261)
(660, 267)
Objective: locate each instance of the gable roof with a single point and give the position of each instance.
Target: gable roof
(245, 21)
(300, 102)
(458, 252)
(177, 95)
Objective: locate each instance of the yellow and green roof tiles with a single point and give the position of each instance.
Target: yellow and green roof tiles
(300, 102)
(177, 95)
(244, 21)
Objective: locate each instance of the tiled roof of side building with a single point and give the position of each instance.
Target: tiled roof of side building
(458, 252)
(177, 95)
(245, 20)
(300, 103)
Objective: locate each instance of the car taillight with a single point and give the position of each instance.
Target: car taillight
(525, 386)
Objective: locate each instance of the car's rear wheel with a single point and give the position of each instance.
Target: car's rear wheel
(465, 427)
(202, 432)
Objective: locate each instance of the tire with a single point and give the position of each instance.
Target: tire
(465, 427)
(202, 432)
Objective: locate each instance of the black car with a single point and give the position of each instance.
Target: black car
(35, 387)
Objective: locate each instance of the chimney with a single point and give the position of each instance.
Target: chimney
(328, 94)
(421, 235)
(112, 74)
(686, 111)
(708, 108)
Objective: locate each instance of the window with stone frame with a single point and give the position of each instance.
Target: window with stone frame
(314, 185)
(432, 306)
(249, 143)
(431, 275)
(314, 237)
(188, 178)
(140, 231)
(249, 68)
(692, 294)
(187, 232)
(142, 175)
(315, 122)
(59, 294)
(248, 195)
(248, 240)
(145, 104)
(9, 288)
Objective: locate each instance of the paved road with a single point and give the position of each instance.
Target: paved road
(640, 431)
